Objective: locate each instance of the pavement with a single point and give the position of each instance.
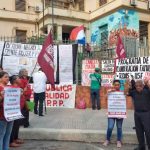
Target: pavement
(61, 145)
(75, 125)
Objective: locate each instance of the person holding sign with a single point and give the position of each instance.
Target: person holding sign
(112, 120)
(5, 127)
(14, 139)
(141, 100)
(95, 89)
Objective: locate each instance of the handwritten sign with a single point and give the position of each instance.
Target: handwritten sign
(135, 66)
(12, 103)
(116, 105)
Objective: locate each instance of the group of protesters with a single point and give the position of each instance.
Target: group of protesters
(9, 130)
(139, 90)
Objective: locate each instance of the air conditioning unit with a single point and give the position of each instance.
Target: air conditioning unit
(148, 4)
(38, 9)
(133, 2)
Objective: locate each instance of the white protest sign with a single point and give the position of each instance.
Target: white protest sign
(116, 105)
(107, 65)
(107, 80)
(12, 103)
(136, 66)
(88, 67)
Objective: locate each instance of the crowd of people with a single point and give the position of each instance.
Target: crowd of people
(9, 130)
(140, 92)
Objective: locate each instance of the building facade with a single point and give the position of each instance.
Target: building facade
(103, 19)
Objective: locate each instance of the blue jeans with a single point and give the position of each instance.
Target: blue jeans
(5, 132)
(111, 123)
(95, 98)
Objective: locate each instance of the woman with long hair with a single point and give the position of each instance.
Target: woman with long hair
(5, 127)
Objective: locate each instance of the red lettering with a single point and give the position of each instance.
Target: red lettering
(48, 102)
(54, 103)
(61, 103)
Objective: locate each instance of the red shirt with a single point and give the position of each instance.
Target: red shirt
(1, 106)
(24, 84)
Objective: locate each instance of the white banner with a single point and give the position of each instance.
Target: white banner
(107, 80)
(116, 105)
(107, 65)
(65, 64)
(136, 67)
(12, 104)
(88, 67)
(1, 47)
(63, 96)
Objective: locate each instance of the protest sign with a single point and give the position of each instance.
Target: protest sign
(107, 80)
(107, 65)
(12, 103)
(88, 67)
(62, 97)
(116, 105)
(136, 67)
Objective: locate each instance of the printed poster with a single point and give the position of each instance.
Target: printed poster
(88, 67)
(65, 64)
(12, 104)
(116, 105)
(108, 66)
(107, 80)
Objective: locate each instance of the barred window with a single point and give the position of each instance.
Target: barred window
(81, 5)
(20, 5)
(102, 2)
(21, 35)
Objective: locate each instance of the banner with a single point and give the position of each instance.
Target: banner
(65, 64)
(107, 80)
(107, 65)
(18, 56)
(12, 104)
(138, 67)
(116, 105)
(63, 96)
(1, 47)
(88, 67)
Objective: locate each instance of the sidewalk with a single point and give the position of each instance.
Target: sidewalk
(75, 125)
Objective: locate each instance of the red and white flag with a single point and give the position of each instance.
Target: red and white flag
(120, 51)
(46, 58)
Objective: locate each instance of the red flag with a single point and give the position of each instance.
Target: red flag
(120, 51)
(46, 58)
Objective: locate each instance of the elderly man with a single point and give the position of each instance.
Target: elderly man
(141, 99)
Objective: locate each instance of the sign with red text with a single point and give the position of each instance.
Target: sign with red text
(88, 67)
(107, 80)
(62, 97)
(12, 104)
(116, 105)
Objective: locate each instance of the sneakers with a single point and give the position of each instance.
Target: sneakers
(106, 143)
(119, 145)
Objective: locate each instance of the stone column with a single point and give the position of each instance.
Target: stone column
(49, 27)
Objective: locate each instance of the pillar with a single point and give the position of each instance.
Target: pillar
(59, 32)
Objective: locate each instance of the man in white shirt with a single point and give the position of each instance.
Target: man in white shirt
(39, 88)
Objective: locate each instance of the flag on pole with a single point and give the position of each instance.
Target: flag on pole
(77, 34)
(120, 51)
(46, 58)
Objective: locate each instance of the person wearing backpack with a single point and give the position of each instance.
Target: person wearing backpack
(95, 89)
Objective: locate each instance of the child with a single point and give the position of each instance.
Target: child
(111, 121)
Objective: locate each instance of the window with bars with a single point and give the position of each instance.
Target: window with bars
(143, 30)
(102, 2)
(81, 5)
(20, 5)
(21, 35)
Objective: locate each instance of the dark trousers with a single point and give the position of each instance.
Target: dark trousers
(15, 131)
(95, 98)
(142, 124)
(25, 120)
(39, 98)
